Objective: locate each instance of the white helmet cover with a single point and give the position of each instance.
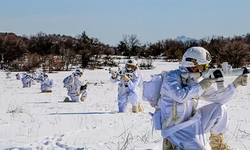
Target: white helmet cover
(79, 70)
(131, 62)
(199, 54)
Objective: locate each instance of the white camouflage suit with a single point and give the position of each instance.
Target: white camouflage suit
(128, 91)
(47, 84)
(194, 130)
(74, 92)
(27, 81)
(8, 74)
(18, 76)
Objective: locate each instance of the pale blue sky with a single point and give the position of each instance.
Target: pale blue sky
(108, 20)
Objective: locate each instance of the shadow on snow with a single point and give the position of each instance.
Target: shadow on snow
(83, 113)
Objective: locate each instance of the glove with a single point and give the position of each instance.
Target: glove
(241, 80)
(206, 83)
(86, 82)
(113, 75)
(125, 77)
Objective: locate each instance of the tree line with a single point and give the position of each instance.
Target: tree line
(56, 52)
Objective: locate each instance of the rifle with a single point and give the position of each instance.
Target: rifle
(120, 72)
(218, 74)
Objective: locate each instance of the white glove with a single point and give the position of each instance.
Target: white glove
(125, 77)
(86, 82)
(206, 83)
(113, 75)
(241, 80)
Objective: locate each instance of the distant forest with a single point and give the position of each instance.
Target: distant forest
(24, 53)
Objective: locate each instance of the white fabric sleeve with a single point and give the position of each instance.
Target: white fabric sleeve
(212, 95)
(175, 90)
(134, 83)
(78, 82)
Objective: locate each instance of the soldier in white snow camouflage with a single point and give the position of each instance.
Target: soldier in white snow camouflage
(77, 90)
(128, 87)
(47, 84)
(183, 126)
(26, 80)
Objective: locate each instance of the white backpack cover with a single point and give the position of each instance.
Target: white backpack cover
(52, 83)
(151, 89)
(151, 94)
(68, 81)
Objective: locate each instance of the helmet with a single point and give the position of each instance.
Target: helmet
(195, 56)
(79, 71)
(131, 64)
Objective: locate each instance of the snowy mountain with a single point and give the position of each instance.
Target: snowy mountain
(184, 38)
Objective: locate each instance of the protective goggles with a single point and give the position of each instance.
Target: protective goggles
(199, 68)
(80, 73)
(131, 66)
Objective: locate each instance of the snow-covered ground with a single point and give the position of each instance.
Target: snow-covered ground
(33, 120)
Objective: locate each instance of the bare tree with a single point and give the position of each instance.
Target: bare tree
(131, 43)
(235, 52)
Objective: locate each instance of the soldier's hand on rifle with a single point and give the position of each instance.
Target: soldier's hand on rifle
(206, 83)
(114, 74)
(125, 77)
(241, 80)
(86, 82)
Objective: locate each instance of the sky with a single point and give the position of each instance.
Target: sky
(109, 20)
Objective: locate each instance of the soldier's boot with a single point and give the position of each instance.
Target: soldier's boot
(44, 91)
(66, 99)
(140, 107)
(167, 145)
(134, 109)
(82, 100)
(217, 142)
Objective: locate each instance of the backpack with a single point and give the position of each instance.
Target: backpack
(68, 81)
(151, 93)
(151, 89)
(52, 83)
